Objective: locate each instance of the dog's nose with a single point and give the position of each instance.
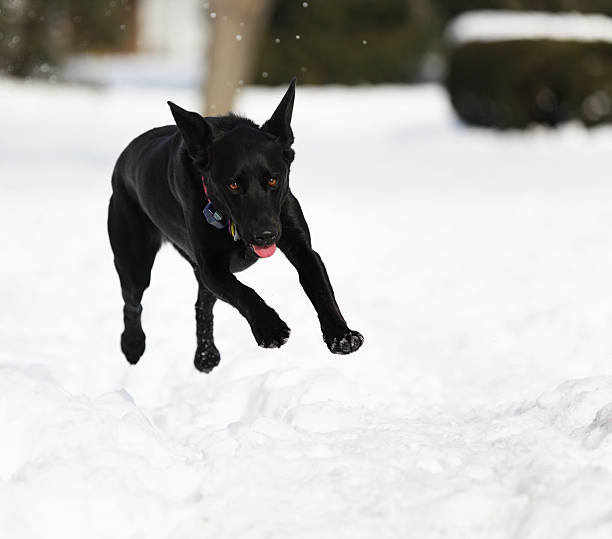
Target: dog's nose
(266, 236)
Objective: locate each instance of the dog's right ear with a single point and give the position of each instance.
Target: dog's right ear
(196, 132)
(279, 125)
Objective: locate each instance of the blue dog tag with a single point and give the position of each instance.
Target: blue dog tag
(213, 217)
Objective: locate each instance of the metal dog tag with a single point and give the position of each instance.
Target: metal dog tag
(213, 217)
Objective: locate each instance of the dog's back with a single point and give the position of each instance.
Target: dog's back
(144, 159)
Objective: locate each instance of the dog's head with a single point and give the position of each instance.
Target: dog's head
(245, 167)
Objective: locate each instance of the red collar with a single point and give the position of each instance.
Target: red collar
(205, 190)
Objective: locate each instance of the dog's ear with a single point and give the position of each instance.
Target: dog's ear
(279, 125)
(196, 132)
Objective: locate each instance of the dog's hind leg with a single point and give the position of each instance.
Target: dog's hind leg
(135, 242)
(207, 356)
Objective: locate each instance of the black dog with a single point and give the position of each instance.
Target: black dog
(218, 190)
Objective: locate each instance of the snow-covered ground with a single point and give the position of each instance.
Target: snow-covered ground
(477, 265)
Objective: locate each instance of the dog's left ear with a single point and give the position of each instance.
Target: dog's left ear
(196, 132)
(279, 125)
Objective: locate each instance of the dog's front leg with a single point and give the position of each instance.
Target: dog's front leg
(213, 273)
(295, 243)
(267, 327)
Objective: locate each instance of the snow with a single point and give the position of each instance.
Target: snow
(159, 23)
(476, 264)
(150, 69)
(502, 25)
(163, 60)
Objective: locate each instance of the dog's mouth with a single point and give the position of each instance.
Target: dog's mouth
(264, 251)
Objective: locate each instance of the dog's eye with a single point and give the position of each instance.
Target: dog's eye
(272, 182)
(233, 186)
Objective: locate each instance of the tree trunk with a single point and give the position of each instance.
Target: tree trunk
(236, 28)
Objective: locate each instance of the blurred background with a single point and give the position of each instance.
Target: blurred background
(555, 68)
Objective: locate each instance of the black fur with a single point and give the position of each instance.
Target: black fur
(158, 195)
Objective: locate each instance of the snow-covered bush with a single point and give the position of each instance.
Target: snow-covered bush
(509, 69)
(452, 8)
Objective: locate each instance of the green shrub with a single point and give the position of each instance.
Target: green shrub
(35, 35)
(331, 46)
(103, 26)
(511, 84)
(27, 39)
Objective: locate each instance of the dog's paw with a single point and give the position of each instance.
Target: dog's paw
(207, 357)
(346, 343)
(133, 345)
(271, 335)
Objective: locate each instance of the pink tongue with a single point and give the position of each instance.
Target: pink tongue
(264, 252)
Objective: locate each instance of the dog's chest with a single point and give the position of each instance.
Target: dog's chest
(241, 257)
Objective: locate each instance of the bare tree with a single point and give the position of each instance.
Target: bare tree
(236, 28)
